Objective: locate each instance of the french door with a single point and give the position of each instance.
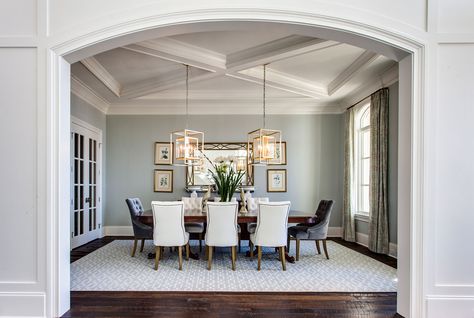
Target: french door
(86, 212)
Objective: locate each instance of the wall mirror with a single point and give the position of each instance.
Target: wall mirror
(198, 177)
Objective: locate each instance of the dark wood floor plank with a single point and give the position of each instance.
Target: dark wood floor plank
(214, 304)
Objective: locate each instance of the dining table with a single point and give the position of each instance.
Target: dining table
(294, 216)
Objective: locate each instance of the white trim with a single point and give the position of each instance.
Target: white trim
(22, 304)
(363, 239)
(100, 31)
(345, 76)
(84, 92)
(102, 75)
(112, 230)
(86, 125)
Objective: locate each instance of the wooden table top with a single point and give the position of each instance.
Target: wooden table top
(249, 217)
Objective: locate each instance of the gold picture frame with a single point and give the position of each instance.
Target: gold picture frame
(164, 153)
(282, 153)
(163, 180)
(276, 180)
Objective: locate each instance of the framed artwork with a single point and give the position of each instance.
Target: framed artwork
(163, 181)
(163, 153)
(279, 153)
(276, 180)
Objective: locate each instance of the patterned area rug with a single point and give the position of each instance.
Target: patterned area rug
(111, 268)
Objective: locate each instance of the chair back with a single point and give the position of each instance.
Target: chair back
(192, 203)
(252, 203)
(135, 206)
(272, 223)
(222, 224)
(319, 231)
(168, 223)
(324, 210)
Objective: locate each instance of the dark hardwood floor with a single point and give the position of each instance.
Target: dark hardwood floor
(212, 304)
(242, 304)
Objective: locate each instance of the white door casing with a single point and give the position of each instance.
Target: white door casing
(86, 181)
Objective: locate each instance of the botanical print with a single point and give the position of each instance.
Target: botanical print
(276, 180)
(163, 181)
(163, 153)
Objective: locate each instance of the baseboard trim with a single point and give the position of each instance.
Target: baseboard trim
(22, 305)
(445, 306)
(112, 230)
(363, 239)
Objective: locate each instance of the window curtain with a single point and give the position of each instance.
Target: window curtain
(378, 221)
(348, 222)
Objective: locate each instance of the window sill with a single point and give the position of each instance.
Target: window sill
(362, 217)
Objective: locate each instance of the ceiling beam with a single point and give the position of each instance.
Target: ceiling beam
(358, 65)
(281, 81)
(168, 81)
(102, 75)
(273, 51)
(180, 52)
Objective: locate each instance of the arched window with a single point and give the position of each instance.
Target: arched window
(362, 149)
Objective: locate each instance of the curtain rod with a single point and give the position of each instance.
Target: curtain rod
(365, 98)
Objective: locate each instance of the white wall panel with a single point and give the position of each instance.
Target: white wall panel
(66, 14)
(18, 18)
(454, 173)
(456, 16)
(18, 160)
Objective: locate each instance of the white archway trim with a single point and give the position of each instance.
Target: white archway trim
(140, 29)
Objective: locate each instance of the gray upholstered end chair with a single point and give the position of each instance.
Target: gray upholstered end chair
(316, 231)
(141, 231)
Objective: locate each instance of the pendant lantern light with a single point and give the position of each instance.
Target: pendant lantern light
(264, 144)
(189, 144)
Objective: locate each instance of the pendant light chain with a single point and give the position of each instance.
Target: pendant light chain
(187, 95)
(264, 91)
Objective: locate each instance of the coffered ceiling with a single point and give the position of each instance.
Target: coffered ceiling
(304, 74)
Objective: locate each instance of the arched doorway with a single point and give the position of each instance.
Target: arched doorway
(395, 46)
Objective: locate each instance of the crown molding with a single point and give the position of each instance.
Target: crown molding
(387, 78)
(285, 106)
(102, 75)
(345, 76)
(84, 92)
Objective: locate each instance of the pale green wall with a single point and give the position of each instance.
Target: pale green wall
(315, 158)
(362, 226)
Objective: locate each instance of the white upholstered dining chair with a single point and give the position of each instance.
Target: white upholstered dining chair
(168, 228)
(194, 204)
(222, 228)
(252, 206)
(271, 231)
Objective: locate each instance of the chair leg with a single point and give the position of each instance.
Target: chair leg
(207, 251)
(239, 242)
(233, 257)
(317, 247)
(325, 249)
(143, 245)
(134, 249)
(157, 256)
(209, 257)
(180, 257)
(200, 242)
(251, 249)
(259, 253)
(187, 251)
(282, 257)
(297, 249)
